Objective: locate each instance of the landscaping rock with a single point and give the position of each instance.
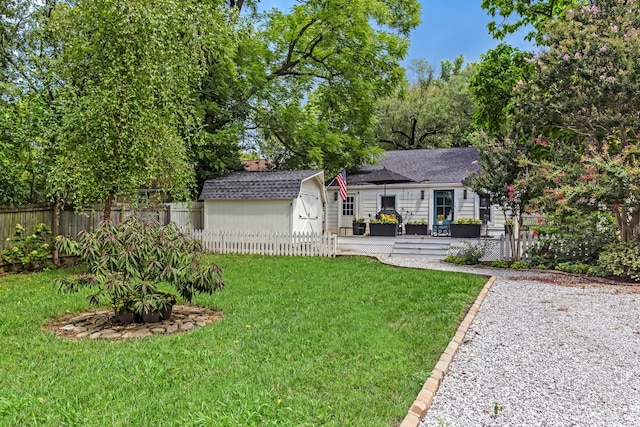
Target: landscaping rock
(102, 324)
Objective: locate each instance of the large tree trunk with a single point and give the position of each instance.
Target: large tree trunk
(628, 222)
(106, 215)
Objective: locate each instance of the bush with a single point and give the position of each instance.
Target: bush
(580, 240)
(500, 264)
(578, 268)
(128, 262)
(596, 271)
(621, 259)
(453, 259)
(519, 265)
(32, 251)
(470, 254)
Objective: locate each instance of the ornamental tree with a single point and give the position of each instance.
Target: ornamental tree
(583, 103)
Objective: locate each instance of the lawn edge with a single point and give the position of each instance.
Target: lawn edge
(421, 405)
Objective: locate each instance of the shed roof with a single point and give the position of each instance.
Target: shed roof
(433, 165)
(257, 185)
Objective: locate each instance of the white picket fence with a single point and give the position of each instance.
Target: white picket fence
(294, 244)
(526, 241)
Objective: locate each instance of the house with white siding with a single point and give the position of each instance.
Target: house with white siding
(435, 187)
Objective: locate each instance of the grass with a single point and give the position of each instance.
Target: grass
(304, 342)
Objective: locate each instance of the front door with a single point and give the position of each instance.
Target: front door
(443, 205)
(348, 211)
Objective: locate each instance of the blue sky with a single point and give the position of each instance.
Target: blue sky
(449, 28)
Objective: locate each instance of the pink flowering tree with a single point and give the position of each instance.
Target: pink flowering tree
(583, 105)
(504, 178)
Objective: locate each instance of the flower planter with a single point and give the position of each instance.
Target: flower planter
(416, 229)
(383, 229)
(153, 317)
(359, 228)
(465, 231)
(166, 313)
(126, 317)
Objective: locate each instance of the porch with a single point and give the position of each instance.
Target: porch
(409, 245)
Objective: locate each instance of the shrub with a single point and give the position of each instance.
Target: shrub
(622, 259)
(30, 250)
(519, 265)
(128, 262)
(470, 254)
(596, 271)
(500, 264)
(580, 241)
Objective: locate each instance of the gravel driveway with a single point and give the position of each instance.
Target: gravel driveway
(544, 350)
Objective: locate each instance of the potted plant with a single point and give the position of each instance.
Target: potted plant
(417, 227)
(359, 226)
(465, 228)
(124, 309)
(148, 307)
(127, 262)
(439, 219)
(384, 225)
(165, 305)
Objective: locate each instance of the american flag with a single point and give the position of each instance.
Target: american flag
(341, 179)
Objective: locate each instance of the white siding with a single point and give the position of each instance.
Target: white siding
(410, 205)
(248, 215)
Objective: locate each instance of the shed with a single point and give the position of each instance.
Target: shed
(268, 201)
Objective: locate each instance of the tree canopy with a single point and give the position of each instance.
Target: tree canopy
(534, 14)
(430, 112)
(104, 97)
(584, 97)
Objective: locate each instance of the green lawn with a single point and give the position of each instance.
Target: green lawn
(304, 342)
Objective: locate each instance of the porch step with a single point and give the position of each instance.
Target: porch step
(429, 247)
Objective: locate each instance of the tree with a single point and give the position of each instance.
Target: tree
(582, 106)
(505, 179)
(500, 70)
(318, 73)
(432, 112)
(527, 13)
(125, 102)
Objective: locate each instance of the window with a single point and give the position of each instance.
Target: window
(348, 206)
(444, 204)
(388, 203)
(485, 208)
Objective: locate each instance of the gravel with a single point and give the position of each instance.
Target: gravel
(544, 350)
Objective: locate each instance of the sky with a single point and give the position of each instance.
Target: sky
(449, 28)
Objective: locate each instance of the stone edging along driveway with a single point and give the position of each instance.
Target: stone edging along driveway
(545, 349)
(422, 403)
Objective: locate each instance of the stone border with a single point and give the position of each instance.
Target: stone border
(422, 403)
(101, 324)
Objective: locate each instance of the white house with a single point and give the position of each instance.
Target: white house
(433, 186)
(269, 201)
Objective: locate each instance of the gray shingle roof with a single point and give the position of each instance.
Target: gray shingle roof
(434, 165)
(256, 185)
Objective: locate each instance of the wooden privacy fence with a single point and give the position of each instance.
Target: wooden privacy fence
(265, 243)
(187, 216)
